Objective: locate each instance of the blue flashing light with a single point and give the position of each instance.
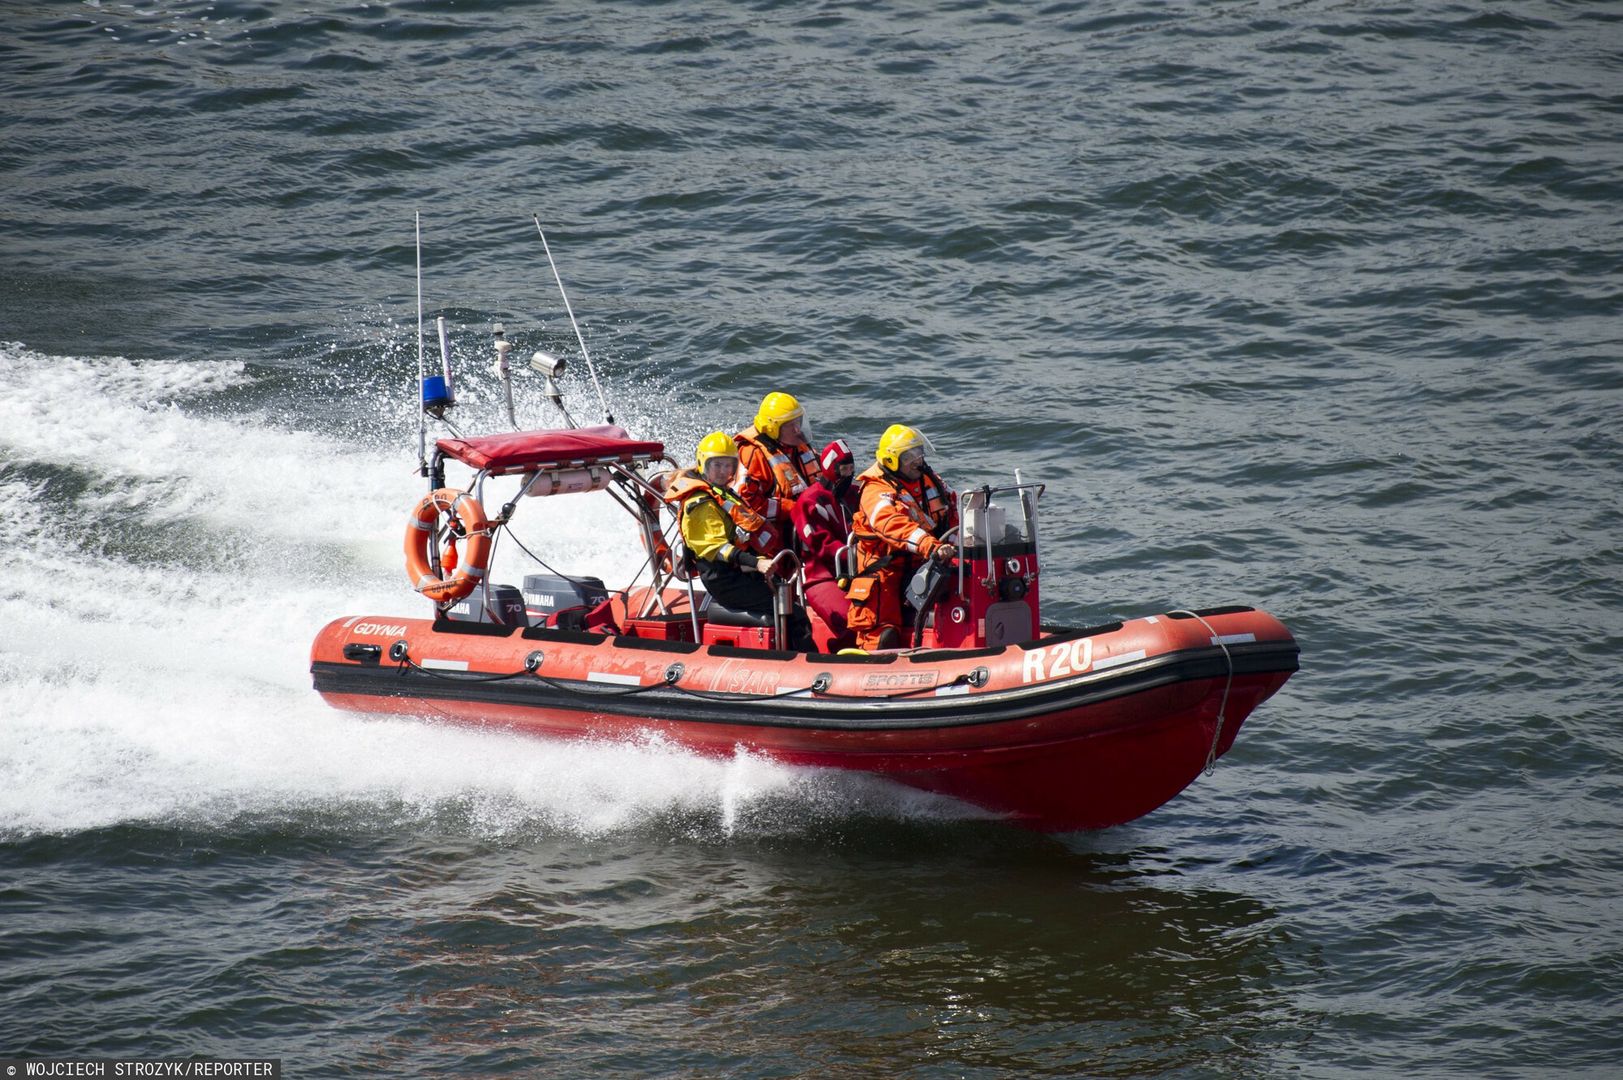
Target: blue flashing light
(436, 397)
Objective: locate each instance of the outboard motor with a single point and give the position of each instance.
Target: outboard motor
(503, 606)
(551, 599)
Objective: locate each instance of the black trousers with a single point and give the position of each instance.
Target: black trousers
(744, 591)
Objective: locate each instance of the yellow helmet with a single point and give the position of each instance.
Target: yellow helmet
(776, 410)
(714, 445)
(897, 440)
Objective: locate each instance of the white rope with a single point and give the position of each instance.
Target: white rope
(1222, 707)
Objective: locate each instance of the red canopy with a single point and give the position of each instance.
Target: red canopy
(526, 451)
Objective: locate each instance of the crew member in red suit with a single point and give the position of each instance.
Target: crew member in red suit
(822, 521)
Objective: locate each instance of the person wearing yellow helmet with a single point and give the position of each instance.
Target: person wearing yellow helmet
(903, 510)
(776, 460)
(716, 525)
(726, 538)
(721, 449)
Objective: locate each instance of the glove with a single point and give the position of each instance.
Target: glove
(944, 554)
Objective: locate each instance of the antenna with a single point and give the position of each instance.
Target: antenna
(436, 389)
(607, 416)
(422, 370)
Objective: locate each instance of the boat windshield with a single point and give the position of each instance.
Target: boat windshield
(1006, 515)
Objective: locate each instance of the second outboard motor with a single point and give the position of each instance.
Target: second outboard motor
(548, 595)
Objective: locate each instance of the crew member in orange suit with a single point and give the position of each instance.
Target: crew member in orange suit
(822, 520)
(904, 510)
(775, 463)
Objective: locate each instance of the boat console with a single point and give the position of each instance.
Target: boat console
(990, 598)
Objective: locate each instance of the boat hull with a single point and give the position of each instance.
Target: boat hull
(1080, 729)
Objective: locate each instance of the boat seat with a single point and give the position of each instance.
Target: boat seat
(726, 616)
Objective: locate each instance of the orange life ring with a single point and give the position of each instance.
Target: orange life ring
(424, 520)
(661, 553)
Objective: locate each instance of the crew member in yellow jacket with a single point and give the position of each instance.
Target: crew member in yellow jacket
(718, 529)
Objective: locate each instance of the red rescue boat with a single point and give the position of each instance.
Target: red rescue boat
(1056, 728)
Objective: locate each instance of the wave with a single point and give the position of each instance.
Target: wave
(178, 555)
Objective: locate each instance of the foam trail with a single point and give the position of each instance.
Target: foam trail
(154, 658)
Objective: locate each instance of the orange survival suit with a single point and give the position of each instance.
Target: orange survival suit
(771, 478)
(898, 525)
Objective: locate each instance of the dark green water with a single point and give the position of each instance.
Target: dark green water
(1306, 305)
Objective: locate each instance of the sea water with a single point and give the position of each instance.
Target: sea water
(1310, 306)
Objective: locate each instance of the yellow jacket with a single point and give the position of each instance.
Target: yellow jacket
(707, 530)
(709, 539)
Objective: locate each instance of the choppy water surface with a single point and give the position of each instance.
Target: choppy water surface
(1313, 306)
